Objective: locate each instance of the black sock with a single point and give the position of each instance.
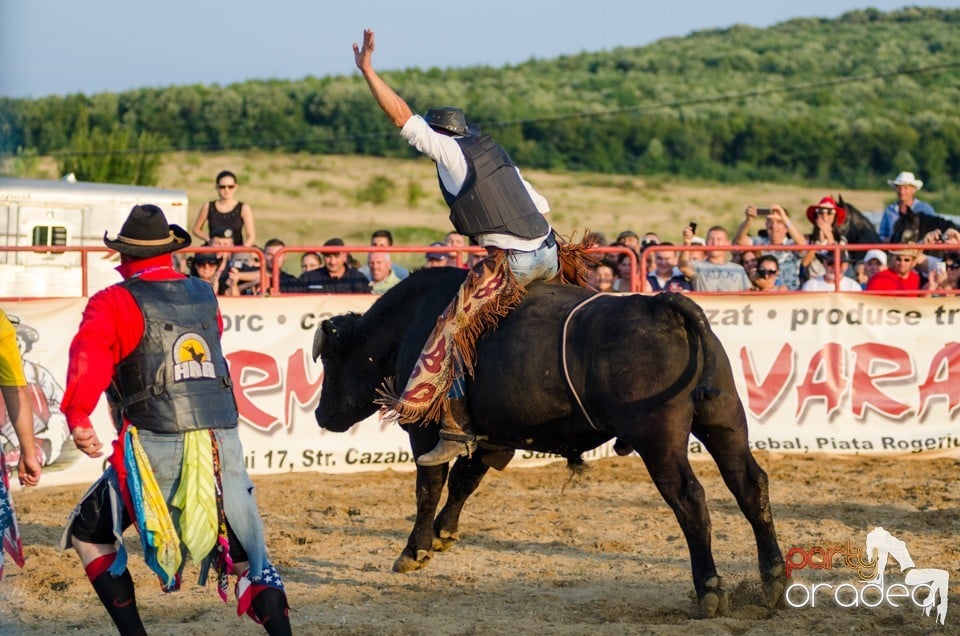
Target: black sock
(270, 606)
(117, 595)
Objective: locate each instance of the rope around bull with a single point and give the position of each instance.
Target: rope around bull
(563, 354)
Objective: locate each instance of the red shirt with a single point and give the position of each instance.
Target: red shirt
(111, 328)
(889, 280)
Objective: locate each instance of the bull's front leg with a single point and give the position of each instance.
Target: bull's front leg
(416, 554)
(465, 477)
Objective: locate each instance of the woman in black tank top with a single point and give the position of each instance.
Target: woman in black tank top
(226, 212)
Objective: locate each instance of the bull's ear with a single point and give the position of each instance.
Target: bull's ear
(324, 330)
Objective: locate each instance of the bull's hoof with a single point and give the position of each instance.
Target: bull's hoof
(407, 563)
(773, 593)
(774, 587)
(715, 600)
(445, 541)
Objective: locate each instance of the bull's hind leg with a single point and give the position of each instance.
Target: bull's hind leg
(416, 554)
(465, 477)
(721, 425)
(680, 488)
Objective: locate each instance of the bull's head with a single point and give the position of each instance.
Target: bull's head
(350, 373)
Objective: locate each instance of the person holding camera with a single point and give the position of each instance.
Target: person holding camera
(780, 231)
(947, 274)
(221, 237)
(243, 275)
(826, 217)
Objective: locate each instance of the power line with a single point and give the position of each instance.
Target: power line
(795, 88)
(671, 105)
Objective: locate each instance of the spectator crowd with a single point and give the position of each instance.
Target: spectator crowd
(770, 251)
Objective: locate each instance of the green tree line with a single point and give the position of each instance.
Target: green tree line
(847, 101)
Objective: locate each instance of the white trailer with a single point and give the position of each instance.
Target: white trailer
(40, 214)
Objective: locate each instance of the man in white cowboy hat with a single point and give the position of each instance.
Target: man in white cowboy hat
(152, 343)
(906, 186)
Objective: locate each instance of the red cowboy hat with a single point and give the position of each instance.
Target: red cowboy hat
(827, 202)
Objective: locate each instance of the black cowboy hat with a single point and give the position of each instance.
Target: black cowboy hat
(452, 120)
(146, 233)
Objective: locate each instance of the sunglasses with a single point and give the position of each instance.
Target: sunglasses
(822, 211)
(224, 186)
(953, 266)
(763, 273)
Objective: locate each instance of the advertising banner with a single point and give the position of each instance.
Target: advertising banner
(817, 373)
(844, 373)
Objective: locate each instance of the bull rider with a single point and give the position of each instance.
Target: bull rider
(493, 204)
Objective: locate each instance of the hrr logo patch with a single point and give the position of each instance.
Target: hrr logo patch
(191, 359)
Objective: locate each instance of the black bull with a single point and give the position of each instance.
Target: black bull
(647, 370)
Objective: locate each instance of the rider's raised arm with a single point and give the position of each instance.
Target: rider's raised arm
(392, 104)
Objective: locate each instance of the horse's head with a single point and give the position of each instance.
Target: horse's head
(857, 228)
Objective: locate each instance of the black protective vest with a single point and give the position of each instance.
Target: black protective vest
(176, 380)
(493, 197)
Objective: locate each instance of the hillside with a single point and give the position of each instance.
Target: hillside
(832, 104)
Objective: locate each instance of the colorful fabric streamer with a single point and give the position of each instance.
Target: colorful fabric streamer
(196, 495)
(158, 536)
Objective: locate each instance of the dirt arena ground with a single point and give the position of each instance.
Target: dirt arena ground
(604, 555)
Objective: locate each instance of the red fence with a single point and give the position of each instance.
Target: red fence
(27, 277)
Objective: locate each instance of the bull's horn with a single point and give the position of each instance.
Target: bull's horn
(318, 341)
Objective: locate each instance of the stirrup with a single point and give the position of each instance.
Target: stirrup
(461, 437)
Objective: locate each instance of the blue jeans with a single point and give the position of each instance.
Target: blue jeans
(540, 264)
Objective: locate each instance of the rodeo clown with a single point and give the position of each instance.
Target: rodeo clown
(492, 204)
(152, 342)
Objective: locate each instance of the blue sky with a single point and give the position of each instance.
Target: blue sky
(65, 46)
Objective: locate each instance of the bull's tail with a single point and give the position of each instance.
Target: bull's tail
(577, 468)
(697, 324)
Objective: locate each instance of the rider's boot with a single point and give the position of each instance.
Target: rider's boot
(456, 435)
